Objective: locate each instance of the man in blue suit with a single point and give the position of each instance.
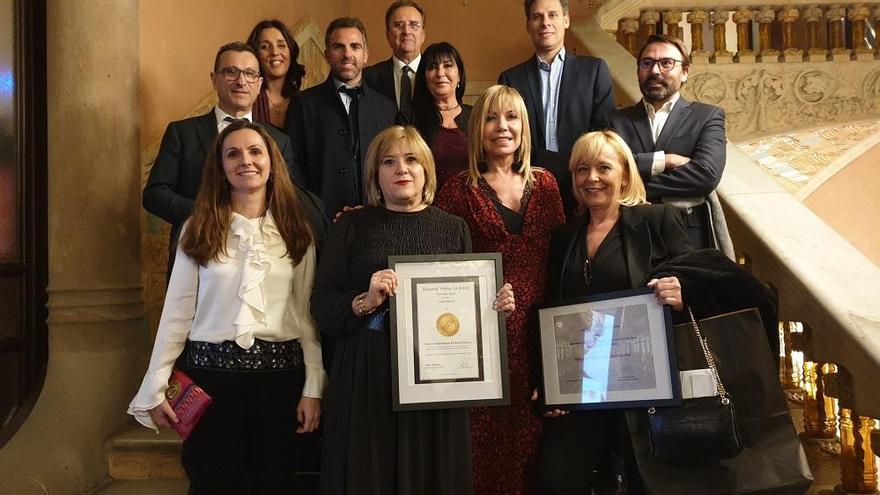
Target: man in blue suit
(566, 95)
(679, 145)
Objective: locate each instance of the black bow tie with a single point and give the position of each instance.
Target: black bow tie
(352, 93)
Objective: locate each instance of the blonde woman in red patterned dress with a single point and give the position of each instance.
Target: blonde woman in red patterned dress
(510, 207)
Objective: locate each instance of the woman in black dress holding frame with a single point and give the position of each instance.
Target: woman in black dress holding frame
(368, 449)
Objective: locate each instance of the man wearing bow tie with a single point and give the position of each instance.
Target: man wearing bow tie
(333, 123)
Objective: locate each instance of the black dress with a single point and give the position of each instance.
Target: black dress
(367, 448)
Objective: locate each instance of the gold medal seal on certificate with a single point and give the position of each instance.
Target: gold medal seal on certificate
(448, 325)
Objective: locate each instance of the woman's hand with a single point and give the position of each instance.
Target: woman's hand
(504, 300)
(345, 209)
(308, 413)
(668, 291)
(163, 415)
(382, 284)
(548, 414)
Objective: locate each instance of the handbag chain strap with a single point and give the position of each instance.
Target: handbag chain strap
(710, 360)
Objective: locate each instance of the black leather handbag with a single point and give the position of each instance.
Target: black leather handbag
(701, 429)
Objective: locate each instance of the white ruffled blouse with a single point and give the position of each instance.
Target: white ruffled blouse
(252, 292)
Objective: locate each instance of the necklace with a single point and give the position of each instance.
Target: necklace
(275, 107)
(450, 108)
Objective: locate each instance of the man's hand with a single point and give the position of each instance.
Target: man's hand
(674, 161)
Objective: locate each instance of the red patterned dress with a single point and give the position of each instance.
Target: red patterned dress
(505, 439)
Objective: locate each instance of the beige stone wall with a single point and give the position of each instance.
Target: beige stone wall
(98, 341)
(849, 203)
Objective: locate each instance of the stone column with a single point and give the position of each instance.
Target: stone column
(765, 18)
(630, 28)
(836, 17)
(696, 18)
(815, 52)
(788, 16)
(719, 19)
(858, 16)
(98, 341)
(671, 18)
(743, 19)
(648, 20)
(858, 471)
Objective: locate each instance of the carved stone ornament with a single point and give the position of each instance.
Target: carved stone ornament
(814, 86)
(707, 87)
(871, 86)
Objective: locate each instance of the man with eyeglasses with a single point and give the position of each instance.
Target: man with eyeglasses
(679, 145)
(405, 30)
(566, 95)
(177, 172)
(333, 123)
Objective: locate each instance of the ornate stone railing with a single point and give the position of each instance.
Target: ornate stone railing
(771, 67)
(832, 353)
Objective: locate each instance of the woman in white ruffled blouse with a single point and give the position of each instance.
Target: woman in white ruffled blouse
(239, 292)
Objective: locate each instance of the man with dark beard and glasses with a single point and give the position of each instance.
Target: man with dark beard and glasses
(679, 145)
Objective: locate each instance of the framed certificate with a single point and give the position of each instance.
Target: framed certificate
(609, 351)
(448, 345)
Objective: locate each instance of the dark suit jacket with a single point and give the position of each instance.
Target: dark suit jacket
(651, 234)
(319, 129)
(380, 77)
(586, 97)
(695, 130)
(177, 173)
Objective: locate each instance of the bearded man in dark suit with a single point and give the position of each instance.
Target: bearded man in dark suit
(177, 172)
(679, 145)
(566, 95)
(334, 122)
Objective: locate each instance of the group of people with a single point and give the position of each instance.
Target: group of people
(286, 203)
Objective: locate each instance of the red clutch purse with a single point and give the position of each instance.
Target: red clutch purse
(188, 400)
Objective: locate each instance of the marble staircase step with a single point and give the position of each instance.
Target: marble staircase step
(144, 487)
(140, 454)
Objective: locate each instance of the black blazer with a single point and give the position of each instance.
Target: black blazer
(651, 234)
(320, 133)
(586, 97)
(695, 130)
(177, 173)
(380, 77)
(428, 132)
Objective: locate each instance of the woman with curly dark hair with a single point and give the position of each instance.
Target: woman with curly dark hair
(282, 74)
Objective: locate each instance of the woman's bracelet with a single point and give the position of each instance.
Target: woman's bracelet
(360, 305)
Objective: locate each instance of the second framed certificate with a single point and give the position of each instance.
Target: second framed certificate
(449, 346)
(609, 351)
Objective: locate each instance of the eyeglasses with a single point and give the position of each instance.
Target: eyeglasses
(232, 73)
(413, 25)
(588, 272)
(666, 64)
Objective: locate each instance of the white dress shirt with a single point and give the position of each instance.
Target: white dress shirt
(221, 117)
(657, 120)
(254, 291)
(398, 71)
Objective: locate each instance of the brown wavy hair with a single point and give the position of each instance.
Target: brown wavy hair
(204, 238)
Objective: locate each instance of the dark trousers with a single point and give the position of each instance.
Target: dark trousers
(246, 443)
(574, 445)
(698, 226)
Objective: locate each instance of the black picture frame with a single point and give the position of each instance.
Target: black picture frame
(614, 350)
(448, 344)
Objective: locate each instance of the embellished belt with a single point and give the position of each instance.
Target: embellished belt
(262, 356)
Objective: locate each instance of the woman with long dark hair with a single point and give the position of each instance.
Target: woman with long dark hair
(239, 294)
(437, 110)
(277, 51)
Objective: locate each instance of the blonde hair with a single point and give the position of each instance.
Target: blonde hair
(408, 137)
(498, 98)
(589, 146)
